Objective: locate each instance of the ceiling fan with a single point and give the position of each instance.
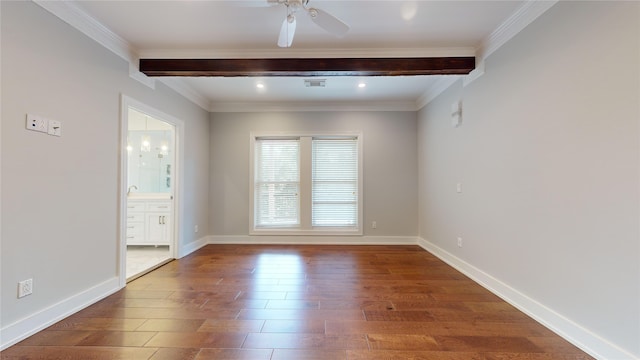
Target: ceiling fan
(322, 18)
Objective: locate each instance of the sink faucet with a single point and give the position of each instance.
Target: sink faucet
(132, 186)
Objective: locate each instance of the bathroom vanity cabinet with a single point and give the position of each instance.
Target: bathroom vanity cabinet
(148, 221)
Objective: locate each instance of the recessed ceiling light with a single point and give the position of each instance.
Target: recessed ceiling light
(260, 85)
(362, 85)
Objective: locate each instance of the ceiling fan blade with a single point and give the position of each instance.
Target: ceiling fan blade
(287, 31)
(328, 22)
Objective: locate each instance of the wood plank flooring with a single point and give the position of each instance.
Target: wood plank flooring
(299, 302)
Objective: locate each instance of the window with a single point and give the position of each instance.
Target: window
(309, 184)
(277, 183)
(334, 183)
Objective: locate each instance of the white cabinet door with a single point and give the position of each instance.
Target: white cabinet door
(158, 227)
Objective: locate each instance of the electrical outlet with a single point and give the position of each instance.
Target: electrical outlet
(374, 225)
(37, 123)
(459, 242)
(195, 228)
(25, 288)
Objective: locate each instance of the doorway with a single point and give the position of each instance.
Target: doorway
(149, 183)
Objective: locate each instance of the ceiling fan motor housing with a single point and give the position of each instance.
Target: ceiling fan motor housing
(321, 18)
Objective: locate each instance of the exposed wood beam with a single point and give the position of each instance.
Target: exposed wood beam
(309, 67)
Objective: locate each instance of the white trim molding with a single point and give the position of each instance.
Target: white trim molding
(40, 320)
(525, 15)
(520, 19)
(137, 75)
(182, 88)
(437, 88)
(476, 73)
(193, 246)
(70, 13)
(576, 334)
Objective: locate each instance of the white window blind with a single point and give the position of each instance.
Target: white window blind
(334, 182)
(277, 183)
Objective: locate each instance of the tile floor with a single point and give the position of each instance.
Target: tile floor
(140, 259)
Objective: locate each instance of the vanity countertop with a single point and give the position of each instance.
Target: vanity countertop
(149, 196)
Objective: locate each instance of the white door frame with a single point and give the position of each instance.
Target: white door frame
(127, 102)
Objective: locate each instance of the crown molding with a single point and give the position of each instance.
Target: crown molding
(182, 88)
(437, 88)
(474, 74)
(70, 13)
(515, 23)
(135, 74)
(313, 106)
(520, 19)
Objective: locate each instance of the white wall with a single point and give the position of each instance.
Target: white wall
(60, 196)
(548, 157)
(390, 159)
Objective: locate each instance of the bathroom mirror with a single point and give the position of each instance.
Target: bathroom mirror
(150, 151)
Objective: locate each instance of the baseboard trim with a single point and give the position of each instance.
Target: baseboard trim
(313, 240)
(40, 320)
(193, 246)
(579, 336)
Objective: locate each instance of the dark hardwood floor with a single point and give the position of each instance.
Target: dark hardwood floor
(299, 302)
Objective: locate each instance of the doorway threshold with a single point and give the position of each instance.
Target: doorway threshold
(146, 271)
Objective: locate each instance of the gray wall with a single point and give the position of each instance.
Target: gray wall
(548, 158)
(60, 200)
(390, 162)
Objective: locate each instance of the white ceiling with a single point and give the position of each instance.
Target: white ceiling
(248, 29)
(149, 25)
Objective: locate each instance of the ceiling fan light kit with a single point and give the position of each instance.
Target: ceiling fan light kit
(323, 19)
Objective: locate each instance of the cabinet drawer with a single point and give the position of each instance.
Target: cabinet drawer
(135, 206)
(133, 217)
(136, 239)
(159, 206)
(136, 229)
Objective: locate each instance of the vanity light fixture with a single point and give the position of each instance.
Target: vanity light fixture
(145, 145)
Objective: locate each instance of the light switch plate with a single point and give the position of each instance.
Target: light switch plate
(55, 128)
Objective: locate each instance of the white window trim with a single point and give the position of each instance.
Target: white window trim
(305, 181)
